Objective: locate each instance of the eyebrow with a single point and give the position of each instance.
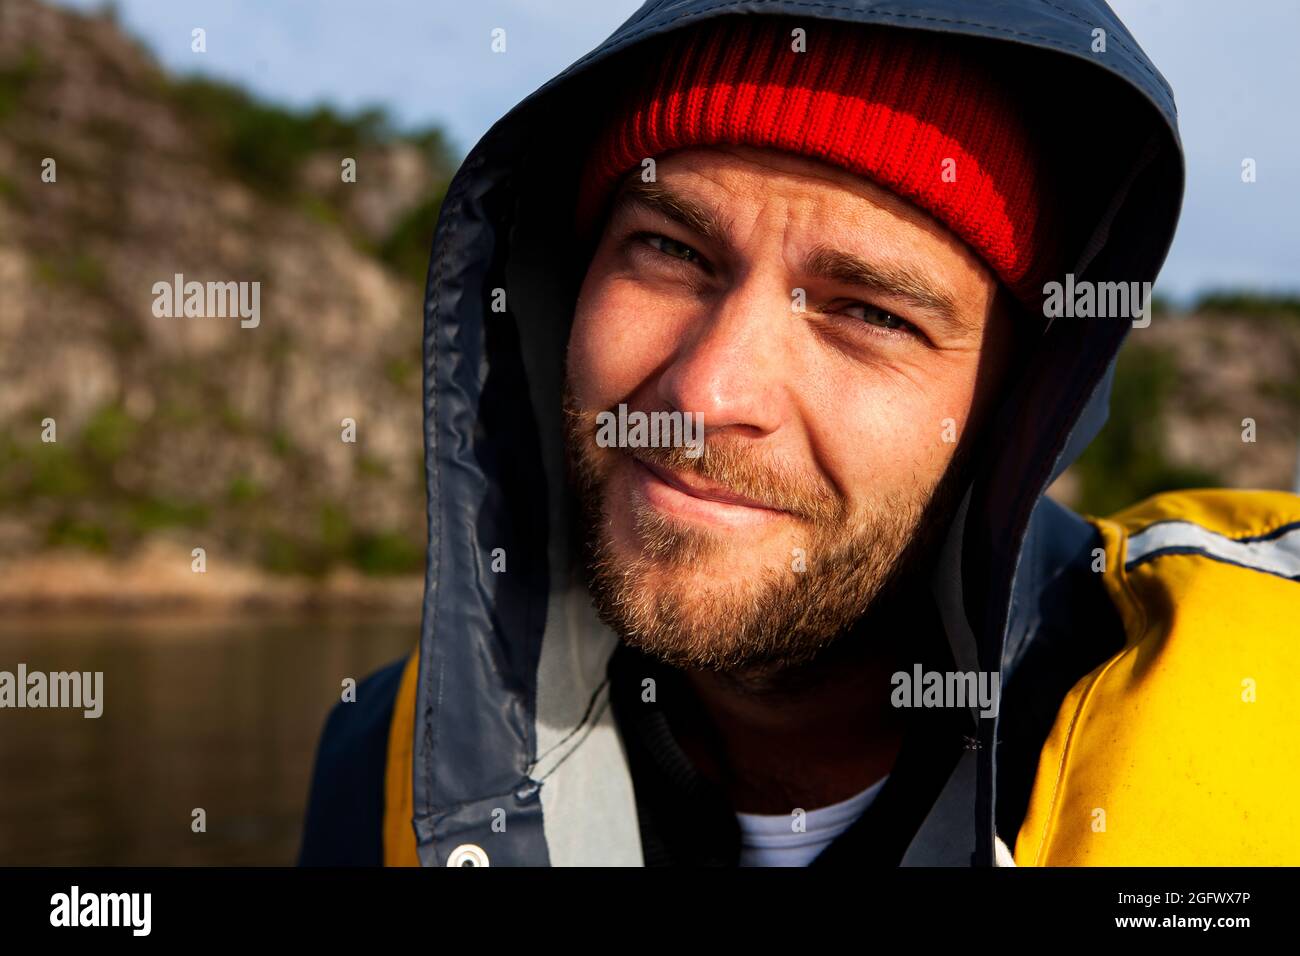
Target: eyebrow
(824, 262)
(702, 219)
(901, 283)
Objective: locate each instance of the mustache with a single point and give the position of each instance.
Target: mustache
(735, 465)
(752, 474)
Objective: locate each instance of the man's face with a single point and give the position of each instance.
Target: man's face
(839, 344)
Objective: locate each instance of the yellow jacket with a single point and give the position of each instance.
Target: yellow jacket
(1184, 748)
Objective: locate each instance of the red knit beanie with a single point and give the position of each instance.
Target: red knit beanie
(914, 112)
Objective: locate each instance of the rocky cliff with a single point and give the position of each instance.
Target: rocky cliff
(204, 431)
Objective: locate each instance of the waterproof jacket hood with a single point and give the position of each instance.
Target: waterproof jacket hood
(511, 706)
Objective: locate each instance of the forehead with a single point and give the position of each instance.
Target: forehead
(733, 166)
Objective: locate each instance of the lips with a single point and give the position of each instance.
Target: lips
(703, 489)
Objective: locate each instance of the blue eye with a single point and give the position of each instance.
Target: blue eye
(671, 247)
(879, 318)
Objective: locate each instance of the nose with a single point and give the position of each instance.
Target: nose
(731, 365)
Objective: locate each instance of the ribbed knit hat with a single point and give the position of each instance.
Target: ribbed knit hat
(892, 105)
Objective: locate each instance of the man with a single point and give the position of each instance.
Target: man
(843, 626)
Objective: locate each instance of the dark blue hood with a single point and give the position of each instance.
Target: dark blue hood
(512, 708)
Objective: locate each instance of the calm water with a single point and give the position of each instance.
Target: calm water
(223, 715)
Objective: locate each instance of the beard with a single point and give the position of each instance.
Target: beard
(668, 601)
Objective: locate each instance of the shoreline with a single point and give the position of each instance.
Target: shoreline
(158, 581)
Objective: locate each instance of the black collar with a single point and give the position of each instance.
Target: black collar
(686, 820)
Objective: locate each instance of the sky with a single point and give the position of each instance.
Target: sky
(1233, 68)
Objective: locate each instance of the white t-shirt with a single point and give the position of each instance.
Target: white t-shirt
(770, 840)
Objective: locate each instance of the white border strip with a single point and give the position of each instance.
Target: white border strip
(1280, 555)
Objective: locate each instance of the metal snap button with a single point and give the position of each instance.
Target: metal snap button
(468, 854)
